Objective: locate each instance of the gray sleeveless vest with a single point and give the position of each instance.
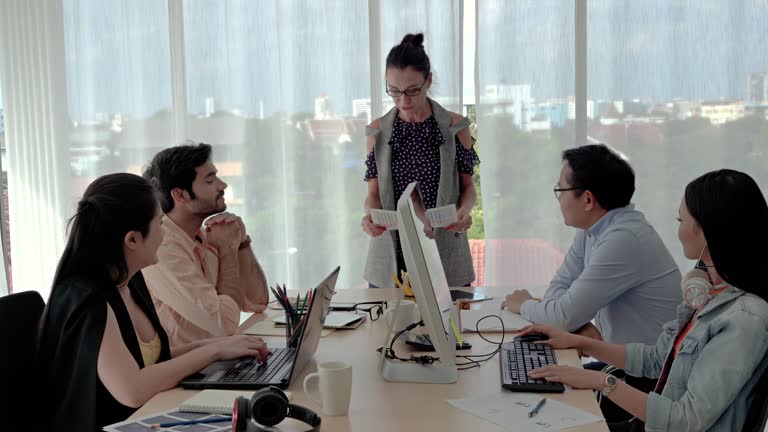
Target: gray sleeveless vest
(454, 251)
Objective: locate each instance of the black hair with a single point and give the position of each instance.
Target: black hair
(732, 213)
(602, 171)
(410, 53)
(111, 206)
(175, 168)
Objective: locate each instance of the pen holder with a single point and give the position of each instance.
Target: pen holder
(295, 323)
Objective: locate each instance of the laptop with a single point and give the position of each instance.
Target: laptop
(248, 374)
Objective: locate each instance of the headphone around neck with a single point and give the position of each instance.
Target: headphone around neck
(268, 407)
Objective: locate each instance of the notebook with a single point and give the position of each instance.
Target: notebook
(266, 327)
(334, 320)
(216, 401)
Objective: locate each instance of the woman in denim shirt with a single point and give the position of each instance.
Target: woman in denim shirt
(709, 360)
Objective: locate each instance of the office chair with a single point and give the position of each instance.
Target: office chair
(19, 317)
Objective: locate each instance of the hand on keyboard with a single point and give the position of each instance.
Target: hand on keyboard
(555, 337)
(518, 359)
(578, 378)
(232, 347)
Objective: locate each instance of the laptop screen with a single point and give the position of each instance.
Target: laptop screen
(318, 310)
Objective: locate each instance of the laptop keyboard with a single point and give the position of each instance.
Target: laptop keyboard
(252, 371)
(518, 358)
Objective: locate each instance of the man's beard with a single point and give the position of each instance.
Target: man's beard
(209, 210)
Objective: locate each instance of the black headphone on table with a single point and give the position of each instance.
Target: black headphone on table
(268, 406)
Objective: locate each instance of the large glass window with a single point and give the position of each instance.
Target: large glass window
(281, 99)
(525, 118)
(118, 86)
(680, 88)
(282, 90)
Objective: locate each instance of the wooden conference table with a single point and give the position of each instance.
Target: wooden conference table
(378, 405)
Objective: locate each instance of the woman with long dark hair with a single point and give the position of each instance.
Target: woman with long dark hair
(710, 359)
(102, 349)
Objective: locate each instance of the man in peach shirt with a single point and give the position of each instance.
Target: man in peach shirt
(206, 273)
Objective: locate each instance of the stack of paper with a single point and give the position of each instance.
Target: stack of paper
(440, 217)
(385, 218)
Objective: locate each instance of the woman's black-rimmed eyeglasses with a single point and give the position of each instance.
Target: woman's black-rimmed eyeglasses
(375, 309)
(409, 92)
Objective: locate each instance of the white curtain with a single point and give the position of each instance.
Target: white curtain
(678, 87)
(678, 77)
(525, 57)
(36, 127)
(283, 91)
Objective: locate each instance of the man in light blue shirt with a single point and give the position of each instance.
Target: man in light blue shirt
(618, 271)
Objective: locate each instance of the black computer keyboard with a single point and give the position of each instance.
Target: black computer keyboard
(252, 371)
(518, 358)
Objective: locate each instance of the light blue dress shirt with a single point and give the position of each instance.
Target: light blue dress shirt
(618, 272)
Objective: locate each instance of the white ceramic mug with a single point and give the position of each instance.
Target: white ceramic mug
(335, 385)
(404, 315)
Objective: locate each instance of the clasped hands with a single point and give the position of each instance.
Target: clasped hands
(225, 230)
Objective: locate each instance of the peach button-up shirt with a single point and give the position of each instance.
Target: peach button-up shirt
(183, 288)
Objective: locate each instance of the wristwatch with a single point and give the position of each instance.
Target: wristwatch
(610, 384)
(245, 243)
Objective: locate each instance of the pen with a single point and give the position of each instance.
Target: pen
(191, 422)
(538, 406)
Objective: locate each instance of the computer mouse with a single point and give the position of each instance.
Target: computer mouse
(532, 337)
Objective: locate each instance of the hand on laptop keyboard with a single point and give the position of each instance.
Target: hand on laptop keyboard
(233, 347)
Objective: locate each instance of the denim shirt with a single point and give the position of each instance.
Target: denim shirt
(719, 361)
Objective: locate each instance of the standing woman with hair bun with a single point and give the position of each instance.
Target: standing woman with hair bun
(418, 140)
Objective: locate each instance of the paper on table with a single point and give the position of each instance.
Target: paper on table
(510, 410)
(386, 218)
(442, 216)
(512, 321)
(142, 424)
(333, 320)
(267, 328)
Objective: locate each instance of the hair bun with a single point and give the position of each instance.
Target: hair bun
(415, 40)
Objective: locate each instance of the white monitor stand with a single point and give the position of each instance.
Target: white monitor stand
(427, 277)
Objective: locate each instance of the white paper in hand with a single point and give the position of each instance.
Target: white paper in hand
(440, 217)
(385, 218)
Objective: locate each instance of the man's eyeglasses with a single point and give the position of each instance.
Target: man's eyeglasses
(557, 190)
(409, 92)
(375, 309)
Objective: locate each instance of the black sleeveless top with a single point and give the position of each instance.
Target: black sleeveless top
(69, 350)
(416, 157)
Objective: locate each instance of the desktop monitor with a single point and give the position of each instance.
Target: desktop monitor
(430, 287)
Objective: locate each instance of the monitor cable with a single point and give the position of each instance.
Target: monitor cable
(390, 353)
(471, 363)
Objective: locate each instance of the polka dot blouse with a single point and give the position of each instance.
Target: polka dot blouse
(416, 157)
